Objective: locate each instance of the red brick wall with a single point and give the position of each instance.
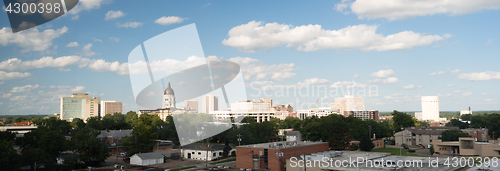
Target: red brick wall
(244, 155)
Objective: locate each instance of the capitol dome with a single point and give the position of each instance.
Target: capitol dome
(169, 90)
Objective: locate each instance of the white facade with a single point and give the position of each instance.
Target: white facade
(430, 108)
(259, 116)
(210, 103)
(465, 112)
(144, 159)
(319, 112)
(201, 154)
(251, 106)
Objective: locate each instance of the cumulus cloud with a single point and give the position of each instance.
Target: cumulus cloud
(31, 39)
(480, 76)
(396, 9)
(256, 35)
(101, 65)
(348, 84)
(411, 86)
(113, 14)
(169, 20)
(256, 69)
(355, 76)
(383, 73)
(456, 71)
(26, 88)
(87, 5)
(130, 24)
(13, 75)
(86, 50)
(72, 44)
(269, 85)
(16, 64)
(448, 85)
(313, 81)
(115, 39)
(96, 40)
(489, 42)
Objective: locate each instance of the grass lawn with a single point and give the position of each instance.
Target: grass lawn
(183, 168)
(224, 161)
(395, 152)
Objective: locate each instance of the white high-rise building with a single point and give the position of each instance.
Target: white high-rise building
(430, 108)
(191, 105)
(210, 103)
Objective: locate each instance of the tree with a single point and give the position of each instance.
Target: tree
(466, 117)
(366, 143)
(43, 144)
(452, 135)
(401, 120)
(431, 150)
(9, 156)
(142, 140)
(78, 123)
(85, 142)
(457, 123)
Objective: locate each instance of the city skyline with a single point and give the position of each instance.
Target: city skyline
(326, 46)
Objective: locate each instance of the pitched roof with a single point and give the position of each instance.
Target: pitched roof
(151, 155)
(115, 133)
(429, 130)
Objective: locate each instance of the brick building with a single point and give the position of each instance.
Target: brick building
(479, 134)
(273, 156)
(113, 139)
(363, 114)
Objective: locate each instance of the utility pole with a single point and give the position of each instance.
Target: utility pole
(206, 157)
(239, 139)
(402, 137)
(370, 132)
(116, 152)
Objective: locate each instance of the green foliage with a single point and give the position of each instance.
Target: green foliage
(466, 117)
(353, 147)
(45, 143)
(366, 143)
(7, 135)
(142, 140)
(402, 120)
(9, 156)
(78, 123)
(457, 123)
(85, 142)
(452, 135)
(411, 151)
(431, 150)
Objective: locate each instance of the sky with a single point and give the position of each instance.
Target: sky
(295, 52)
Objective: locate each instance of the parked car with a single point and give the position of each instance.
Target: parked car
(124, 154)
(127, 159)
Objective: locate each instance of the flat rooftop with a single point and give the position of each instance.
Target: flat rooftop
(282, 144)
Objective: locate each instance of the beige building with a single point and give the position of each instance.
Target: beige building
(79, 105)
(426, 136)
(468, 147)
(210, 103)
(191, 105)
(111, 107)
(349, 102)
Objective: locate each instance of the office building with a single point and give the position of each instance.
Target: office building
(111, 107)
(260, 111)
(79, 105)
(363, 114)
(430, 108)
(349, 102)
(479, 134)
(273, 156)
(467, 146)
(413, 136)
(191, 105)
(465, 112)
(319, 112)
(210, 103)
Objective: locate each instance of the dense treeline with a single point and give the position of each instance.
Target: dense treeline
(490, 121)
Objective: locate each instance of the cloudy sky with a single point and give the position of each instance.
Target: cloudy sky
(296, 52)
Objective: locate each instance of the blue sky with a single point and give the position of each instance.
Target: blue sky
(398, 50)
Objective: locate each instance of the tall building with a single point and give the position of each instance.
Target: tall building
(111, 107)
(465, 112)
(79, 105)
(260, 111)
(348, 103)
(169, 97)
(430, 108)
(363, 114)
(210, 103)
(191, 105)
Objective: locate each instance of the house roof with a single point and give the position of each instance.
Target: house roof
(151, 155)
(221, 147)
(115, 133)
(292, 133)
(429, 130)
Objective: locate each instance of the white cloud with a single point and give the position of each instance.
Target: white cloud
(489, 42)
(313, 81)
(13, 75)
(383, 73)
(348, 84)
(448, 85)
(400, 97)
(101, 65)
(26, 88)
(87, 5)
(444, 95)
(480, 76)
(456, 71)
(488, 100)
(466, 93)
(86, 50)
(355, 76)
(31, 39)
(255, 36)
(391, 80)
(169, 20)
(130, 24)
(411, 86)
(484, 94)
(254, 68)
(397, 9)
(113, 14)
(96, 40)
(340, 7)
(6, 95)
(116, 39)
(16, 64)
(75, 17)
(72, 44)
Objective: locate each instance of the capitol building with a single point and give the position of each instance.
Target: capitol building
(168, 106)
